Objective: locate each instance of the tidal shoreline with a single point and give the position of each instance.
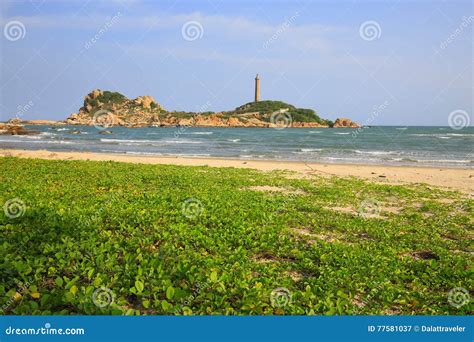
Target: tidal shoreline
(449, 178)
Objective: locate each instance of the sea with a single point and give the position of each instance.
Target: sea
(379, 145)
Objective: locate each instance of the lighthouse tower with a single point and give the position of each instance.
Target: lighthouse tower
(257, 88)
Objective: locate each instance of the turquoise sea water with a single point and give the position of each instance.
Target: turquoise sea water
(420, 146)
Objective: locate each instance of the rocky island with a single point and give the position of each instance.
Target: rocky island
(114, 109)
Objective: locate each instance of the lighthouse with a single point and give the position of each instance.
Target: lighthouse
(257, 88)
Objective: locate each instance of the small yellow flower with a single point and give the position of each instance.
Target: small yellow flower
(17, 296)
(35, 295)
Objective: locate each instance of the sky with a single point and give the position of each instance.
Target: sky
(396, 62)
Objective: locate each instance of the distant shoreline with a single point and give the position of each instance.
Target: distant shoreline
(460, 179)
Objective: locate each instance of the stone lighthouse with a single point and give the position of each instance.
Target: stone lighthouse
(257, 88)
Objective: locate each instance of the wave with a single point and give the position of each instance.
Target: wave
(349, 159)
(460, 135)
(142, 153)
(459, 161)
(128, 140)
(233, 140)
(311, 149)
(401, 128)
(191, 155)
(39, 141)
(340, 133)
(180, 141)
(313, 132)
(252, 156)
(440, 135)
(202, 133)
(34, 137)
(145, 142)
(377, 153)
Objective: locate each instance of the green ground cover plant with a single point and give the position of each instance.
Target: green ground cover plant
(115, 238)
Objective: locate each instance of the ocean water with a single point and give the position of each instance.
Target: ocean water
(416, 146)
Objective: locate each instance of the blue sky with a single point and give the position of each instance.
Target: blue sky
(413, 65)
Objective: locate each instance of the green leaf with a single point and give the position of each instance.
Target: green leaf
(139, 286)
(165, 305)
(170, 292)
(213, 276)
(73, 289)
(59, 281)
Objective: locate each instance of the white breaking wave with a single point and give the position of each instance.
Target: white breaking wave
(180, 141)
(312, 132)
(128, 140)
(190, 155)
(311, 149)
(233, 140)
(144, 141)
(444, 161)
(345, 133)
(202, 133)
(375, 152)
(460, 135)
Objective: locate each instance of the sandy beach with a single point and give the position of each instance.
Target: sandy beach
(448, 178)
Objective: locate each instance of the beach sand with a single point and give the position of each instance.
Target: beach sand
(448, 178)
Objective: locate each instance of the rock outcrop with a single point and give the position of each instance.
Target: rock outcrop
(345, 123)
(15, 129)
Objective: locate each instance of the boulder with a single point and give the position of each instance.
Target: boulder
(146, 102)
(345, 123)
(14, 121)
(16, 130)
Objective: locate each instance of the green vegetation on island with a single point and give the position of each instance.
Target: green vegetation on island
(267, 107)
(157, 239)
